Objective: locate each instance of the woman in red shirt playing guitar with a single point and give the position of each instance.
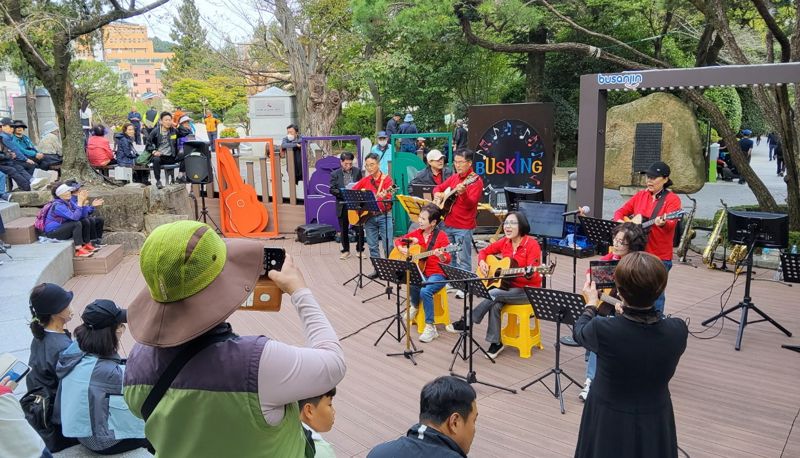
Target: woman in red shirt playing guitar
(430, 238)
(524, 251)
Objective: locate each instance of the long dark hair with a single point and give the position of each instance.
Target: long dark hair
(101, 342)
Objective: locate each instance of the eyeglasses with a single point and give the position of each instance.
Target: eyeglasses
(510, 223)
(618, 242)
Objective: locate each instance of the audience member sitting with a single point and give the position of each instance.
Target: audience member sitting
(318, 415)
(14, 159)
(250, 384)
(90, 393)
(50, 143)
(629, 409)
(24, 143)
(98, 149)
(68, 218)
(447, 415)
(17, 437)
(126, 153)
(162, 142)
(50, 312)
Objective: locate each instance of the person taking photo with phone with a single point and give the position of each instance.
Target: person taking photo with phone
(230, 395)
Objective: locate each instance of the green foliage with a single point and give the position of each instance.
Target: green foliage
(160, 45)
(357, 118)
(102, 88)
(752, 115)
(727, 99)
(191, 48)
(229, 132)
(220, 92)
(237, 114)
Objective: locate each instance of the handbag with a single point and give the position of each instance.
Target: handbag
(143, 158)
(38, 408)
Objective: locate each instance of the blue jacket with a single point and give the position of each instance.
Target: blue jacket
(384, 156)
(25, 145)
(62, 211)
(124, 153)
(90, 398)
(10, 143)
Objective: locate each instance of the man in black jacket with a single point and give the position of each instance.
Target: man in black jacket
(446, 423)
(342, 178)
(162, 142)
(435, 173)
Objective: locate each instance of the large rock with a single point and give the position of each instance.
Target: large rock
(31, 198)
(123, 208)
(131, 241)
(153, 220)
(681, 147)
(172, 199)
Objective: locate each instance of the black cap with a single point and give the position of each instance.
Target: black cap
(19, 123)
(50, 300)
(6, 122)
(103, 313)
(657, 169)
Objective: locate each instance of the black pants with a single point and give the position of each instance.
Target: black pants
(96, 225)
(779, 160)
(28, 167)
(298, 166)
(345, 225)
(158, 161)
(125, 445)
(17, 172)
(77, 230)
(48, 161)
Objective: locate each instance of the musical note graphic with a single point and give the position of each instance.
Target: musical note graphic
(536, 180)
(507, 130)
(496, 130)
(533, 140)
(484, 145)
(527, 132)
(537, 154)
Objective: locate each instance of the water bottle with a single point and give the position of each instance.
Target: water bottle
(794, 249)
(764, 254)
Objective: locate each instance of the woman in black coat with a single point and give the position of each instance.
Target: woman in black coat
(126, 154)
(628, 412)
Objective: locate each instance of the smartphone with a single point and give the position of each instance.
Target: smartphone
(273, 259)
(602, 273)
(17, 371)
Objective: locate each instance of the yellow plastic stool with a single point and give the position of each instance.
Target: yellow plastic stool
(441, 313)
(517, 331)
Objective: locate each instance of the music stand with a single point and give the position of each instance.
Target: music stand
(790, 266)
(358, 200)
(546, 220)
(753, 229)
(559, 307)
(398, 272)
(472, 285)
(598, 231)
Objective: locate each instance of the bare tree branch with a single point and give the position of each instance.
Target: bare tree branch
(775, 29)
(87, 26)
(12, 16)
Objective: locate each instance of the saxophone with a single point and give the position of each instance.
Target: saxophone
(714, 239)
(688, 232)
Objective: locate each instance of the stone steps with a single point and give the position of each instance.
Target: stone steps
(101, 262)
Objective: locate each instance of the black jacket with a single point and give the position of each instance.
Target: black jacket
(432, 444)
(337, 183)
(460, 137)
(154, 138)
(425, 176)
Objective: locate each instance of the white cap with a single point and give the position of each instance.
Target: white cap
(434, 155)
(184, 119)
(63, 189)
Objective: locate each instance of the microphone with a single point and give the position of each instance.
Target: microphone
(583, 210)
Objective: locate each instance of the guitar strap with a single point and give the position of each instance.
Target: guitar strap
(659, 203)
(434, 236)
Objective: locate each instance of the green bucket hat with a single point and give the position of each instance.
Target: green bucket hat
(194, 281)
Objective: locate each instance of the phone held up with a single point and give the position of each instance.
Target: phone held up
(12, 368)
(266, 294)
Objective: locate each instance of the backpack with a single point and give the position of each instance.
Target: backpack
(41, 217)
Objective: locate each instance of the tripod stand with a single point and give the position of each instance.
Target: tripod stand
(387, 237)
(746, 304)
(361, 202)
(471, 285)
(206, 217)
(399, 272)
(560, 307)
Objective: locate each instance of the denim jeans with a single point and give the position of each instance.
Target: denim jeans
(463, 257)
(591, 364)
(659, 304)
(494, 306)
(426, 293)
(211, 137)
(375, 231)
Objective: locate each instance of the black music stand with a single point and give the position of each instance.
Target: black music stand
(359, 200)
(598, 231)
(559, 307)
(790, 266)
(395, 271)
(472, 285)
(753, 236)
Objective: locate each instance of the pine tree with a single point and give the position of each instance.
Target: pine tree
(191, 47)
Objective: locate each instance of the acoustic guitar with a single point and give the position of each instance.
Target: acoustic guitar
(245, 213)
(638, 219)
(500, 267)
(416, 255)
(608, 303)
(448, 197)
(358, 217)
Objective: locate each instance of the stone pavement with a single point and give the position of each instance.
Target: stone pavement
(708, 198)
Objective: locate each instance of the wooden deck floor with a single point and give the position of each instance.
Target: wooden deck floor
(727, 403)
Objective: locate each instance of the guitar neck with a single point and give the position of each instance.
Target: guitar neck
(610, 299)
(514, 271)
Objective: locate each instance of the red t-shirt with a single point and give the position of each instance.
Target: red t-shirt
(659, 239)
(464, 214)
(528, 254)
(432, 264)
(383, 182)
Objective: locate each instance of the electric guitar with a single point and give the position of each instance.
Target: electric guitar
(500, 267)
(637, 219)
(416, 255)
(357, 217)
(448, 198)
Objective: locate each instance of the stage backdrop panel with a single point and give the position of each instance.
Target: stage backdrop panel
(513, 145)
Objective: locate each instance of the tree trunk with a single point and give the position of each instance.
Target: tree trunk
(534, 67)
(30, 109)
(376, 96)
(790, 144)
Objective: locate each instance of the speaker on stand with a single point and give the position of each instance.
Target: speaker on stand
(197, 162)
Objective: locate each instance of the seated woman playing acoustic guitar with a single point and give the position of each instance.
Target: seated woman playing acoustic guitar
(627, 238)
(524, 251)
(429, 237)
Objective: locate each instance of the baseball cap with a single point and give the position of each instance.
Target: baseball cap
(434, 155)
(657, 169)
(382, 134)
(6, 122)
(103, 313)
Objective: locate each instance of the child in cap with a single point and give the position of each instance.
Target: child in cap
(318, 415)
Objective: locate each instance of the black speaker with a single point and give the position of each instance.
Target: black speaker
(197, 161)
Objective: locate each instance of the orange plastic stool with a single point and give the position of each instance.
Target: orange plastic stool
(517, 332)
(441, 312)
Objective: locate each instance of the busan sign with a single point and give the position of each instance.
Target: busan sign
(629, 80)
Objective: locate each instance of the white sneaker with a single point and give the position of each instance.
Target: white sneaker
(38, 183)
(460, 294)
(429, 333)
(585, 391)
(344, 255)
(413, 312)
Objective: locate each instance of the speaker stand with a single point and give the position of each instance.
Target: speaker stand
(203, 215)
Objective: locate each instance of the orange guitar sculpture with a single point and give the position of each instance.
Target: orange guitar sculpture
(244, 214)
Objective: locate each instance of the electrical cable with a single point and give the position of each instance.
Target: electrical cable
(785, 444)
(366, 326)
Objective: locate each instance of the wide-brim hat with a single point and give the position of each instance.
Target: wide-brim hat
(48, 127)
(408, 118)
(19, 123)
(195, 281)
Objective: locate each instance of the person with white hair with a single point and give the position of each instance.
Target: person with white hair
(50, 142)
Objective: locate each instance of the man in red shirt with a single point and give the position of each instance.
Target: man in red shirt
(378, 226)
(653, 203)
(460, 223)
